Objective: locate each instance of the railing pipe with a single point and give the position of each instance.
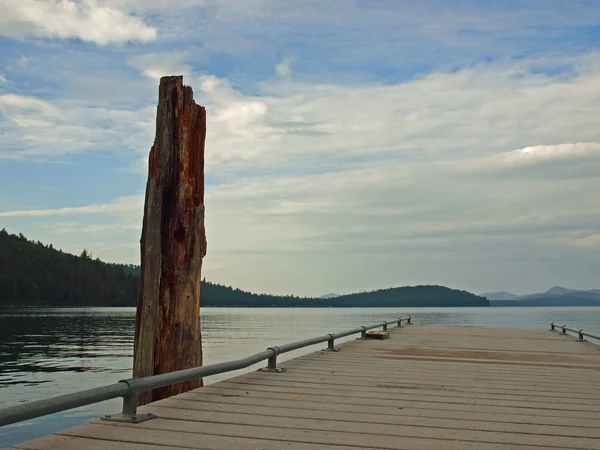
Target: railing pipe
(581, 334)
(37, 408)
(349, 332)
(592, 335)
(180, 376)
(305, 343)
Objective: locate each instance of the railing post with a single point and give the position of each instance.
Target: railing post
(551, 326)
(130, 405)
(384, 326)
(331, 343)
(580, 333)
(272, 361)
(129, 413)
(564, 329)
(409, 320)
(399, 322)
(363, 334)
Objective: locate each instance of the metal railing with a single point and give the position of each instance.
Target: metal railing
(130, 388)
(581, 334)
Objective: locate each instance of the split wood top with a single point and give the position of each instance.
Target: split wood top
(427, 387)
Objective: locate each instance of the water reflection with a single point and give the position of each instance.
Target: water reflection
(36, 344)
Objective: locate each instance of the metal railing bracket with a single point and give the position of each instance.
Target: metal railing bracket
(272, 362)
(331, 344)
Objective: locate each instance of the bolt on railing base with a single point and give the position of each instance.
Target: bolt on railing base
(136, 418)
(271, 369)
(335, 349)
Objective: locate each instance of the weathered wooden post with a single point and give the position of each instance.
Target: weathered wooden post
(173, 243)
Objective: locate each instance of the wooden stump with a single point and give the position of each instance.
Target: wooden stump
(173, 243)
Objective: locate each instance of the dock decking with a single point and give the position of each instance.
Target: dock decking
(427, 387)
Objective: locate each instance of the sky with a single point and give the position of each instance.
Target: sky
(351, 144)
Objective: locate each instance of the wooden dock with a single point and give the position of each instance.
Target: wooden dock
(427, 387)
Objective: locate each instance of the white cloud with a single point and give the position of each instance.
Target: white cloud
(551, 152)
(537, 155)
(88, 20)
(579, 240)
(487, 109)
(34, 128)
(119, 206)
(157, 65)
(2, 78)
(284, 68)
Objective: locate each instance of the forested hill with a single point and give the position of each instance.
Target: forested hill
(34, 274)
(409, 296)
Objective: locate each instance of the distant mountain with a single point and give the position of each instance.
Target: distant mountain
(330, 295)
(558, 290)
(555, 296)
(503, 295)
(551, 300)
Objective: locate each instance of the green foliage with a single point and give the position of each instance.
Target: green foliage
(32, 274)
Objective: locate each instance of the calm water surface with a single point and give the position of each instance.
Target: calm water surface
(46, 352)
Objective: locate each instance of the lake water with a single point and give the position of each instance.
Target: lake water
(52, 351)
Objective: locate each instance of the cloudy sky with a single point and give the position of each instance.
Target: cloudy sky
(351, 144)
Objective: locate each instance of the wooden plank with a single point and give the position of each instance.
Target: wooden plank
(458, 432)
(349, 357)
(391, 359)
(498, 356)
(184, 437)
(360, 398)
(483, 422)
(297, 401)
(427, 410)
(585, 386)
(367, 383)
(361, 439)
(435, 371)
(382, 390)
(57, 442)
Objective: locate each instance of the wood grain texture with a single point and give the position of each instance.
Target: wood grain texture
(173, 242)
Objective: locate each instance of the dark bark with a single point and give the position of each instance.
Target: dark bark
(167, 335)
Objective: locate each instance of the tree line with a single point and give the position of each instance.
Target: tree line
(35, 274)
